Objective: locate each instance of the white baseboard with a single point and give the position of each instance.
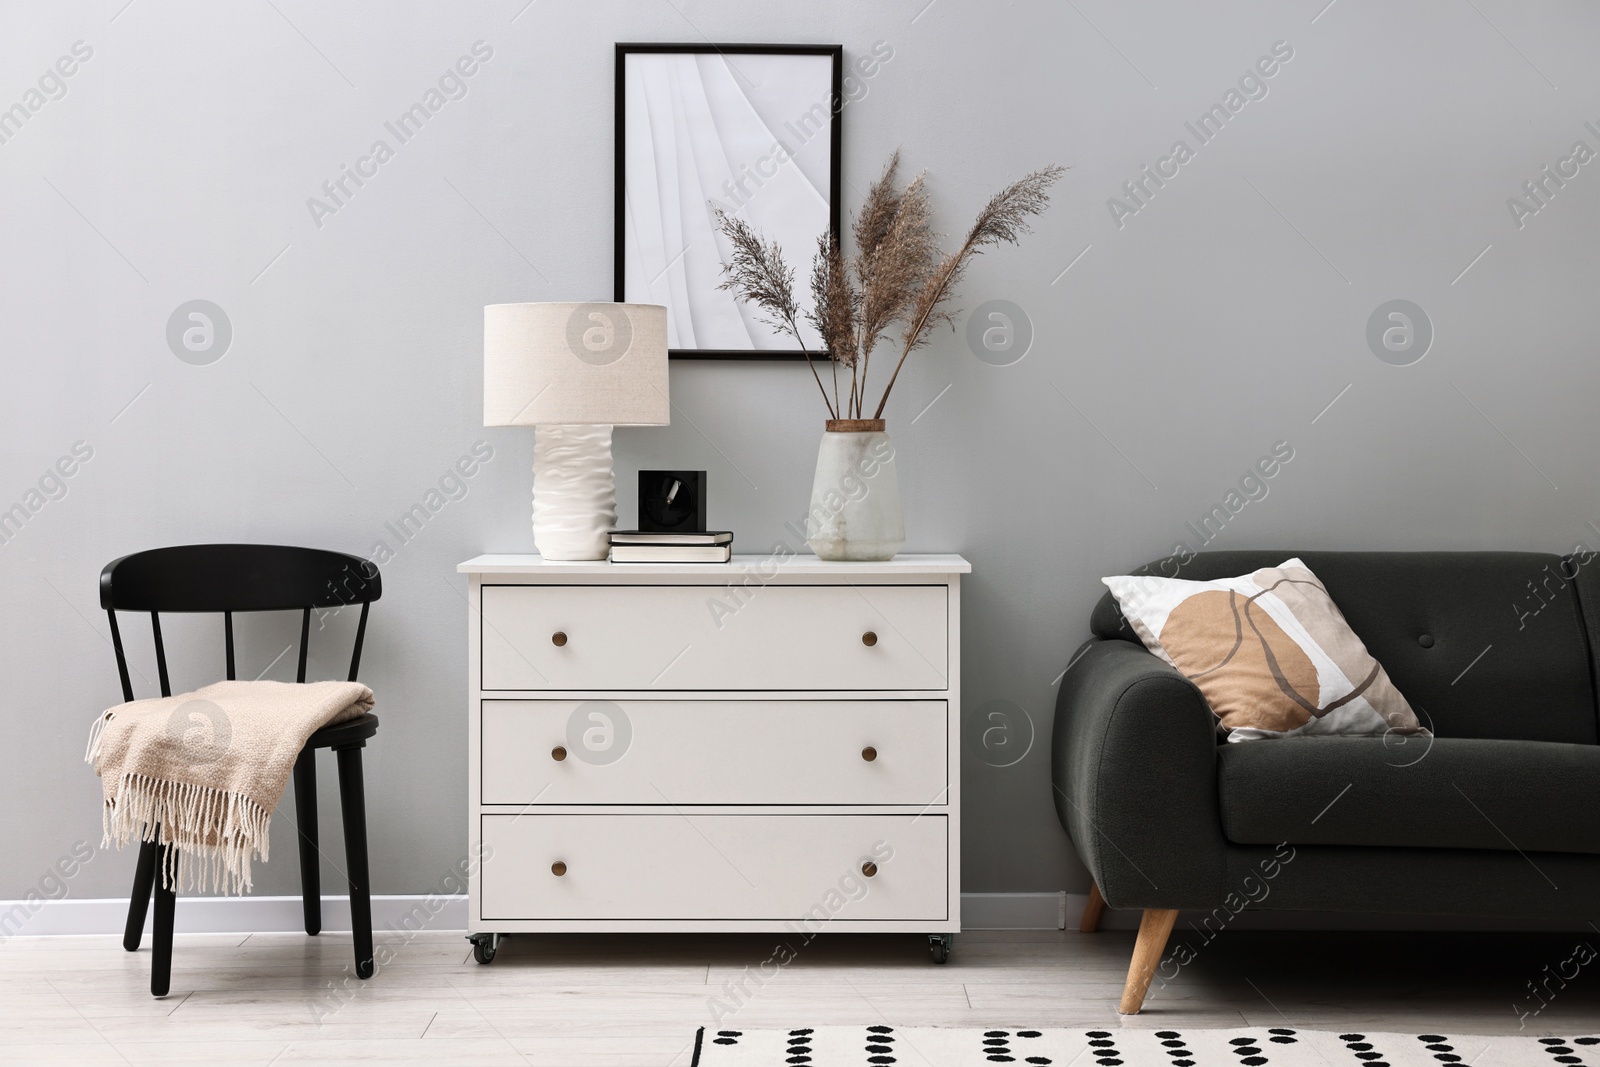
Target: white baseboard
(229, 915)
(979, 911)
(267, 915)
(1018, 911)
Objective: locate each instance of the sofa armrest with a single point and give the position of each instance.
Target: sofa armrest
(1134, 769)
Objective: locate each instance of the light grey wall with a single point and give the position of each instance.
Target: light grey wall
(1222, 317)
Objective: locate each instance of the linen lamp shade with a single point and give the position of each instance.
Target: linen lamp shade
(575, 364)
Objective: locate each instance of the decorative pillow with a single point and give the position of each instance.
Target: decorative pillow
(1270, 651)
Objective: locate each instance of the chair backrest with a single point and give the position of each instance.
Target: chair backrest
(231, 578)
(1483, 644)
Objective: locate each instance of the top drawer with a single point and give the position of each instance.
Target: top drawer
(672, 637)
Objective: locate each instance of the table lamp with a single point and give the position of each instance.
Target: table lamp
(574, 371)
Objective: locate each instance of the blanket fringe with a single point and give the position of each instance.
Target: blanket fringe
(91, 754)
(214, 833)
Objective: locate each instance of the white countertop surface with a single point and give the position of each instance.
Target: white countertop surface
(528, 562)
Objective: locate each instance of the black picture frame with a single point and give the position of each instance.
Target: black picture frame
(835, 180)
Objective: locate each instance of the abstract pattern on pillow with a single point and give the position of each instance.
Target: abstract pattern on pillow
(1270, 651)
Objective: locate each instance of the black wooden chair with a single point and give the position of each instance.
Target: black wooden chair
(238, 578)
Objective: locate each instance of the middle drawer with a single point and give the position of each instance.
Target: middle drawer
(715, 752)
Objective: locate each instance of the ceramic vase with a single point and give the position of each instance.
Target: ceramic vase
(855, 500)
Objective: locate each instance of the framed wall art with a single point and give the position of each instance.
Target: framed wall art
(751, 129)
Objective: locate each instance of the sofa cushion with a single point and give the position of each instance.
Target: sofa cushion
(1483, 644)
(1438, 792)
(1269, 650)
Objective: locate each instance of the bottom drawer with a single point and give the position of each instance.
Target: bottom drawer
(681, 866)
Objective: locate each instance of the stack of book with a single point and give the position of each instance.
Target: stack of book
(644, 546)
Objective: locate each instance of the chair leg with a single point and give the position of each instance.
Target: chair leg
(353, 803)
(161, 944)
(1092, 910)
(305, 814)
(1154, 929)
(144, 876)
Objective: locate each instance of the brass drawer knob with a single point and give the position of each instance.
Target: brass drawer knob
(558, 868)
(558, 753)
(869, 868)
(869, 639)
(869, 753)
(559, 639)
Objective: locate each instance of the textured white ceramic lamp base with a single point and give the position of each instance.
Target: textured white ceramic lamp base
(574, 493)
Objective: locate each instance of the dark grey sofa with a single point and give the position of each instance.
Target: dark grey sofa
(1498, 814)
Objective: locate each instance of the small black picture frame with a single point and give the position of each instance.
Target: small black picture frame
(667, 249)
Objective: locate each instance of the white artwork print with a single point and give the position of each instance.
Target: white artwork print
(748, 133)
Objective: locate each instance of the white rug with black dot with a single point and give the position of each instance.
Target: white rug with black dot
(1280, 1046)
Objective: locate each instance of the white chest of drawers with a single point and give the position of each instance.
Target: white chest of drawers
(761, 746)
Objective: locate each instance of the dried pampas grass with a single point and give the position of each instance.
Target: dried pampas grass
(897, 279)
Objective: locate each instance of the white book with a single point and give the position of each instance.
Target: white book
(671, 553)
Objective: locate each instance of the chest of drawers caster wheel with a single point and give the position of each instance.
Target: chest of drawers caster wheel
(484, 946)
(939, 947)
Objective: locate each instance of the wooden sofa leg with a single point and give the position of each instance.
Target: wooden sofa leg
(1154, 929)
(1092, 910)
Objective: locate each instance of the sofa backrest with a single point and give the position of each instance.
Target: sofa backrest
(1483, 644)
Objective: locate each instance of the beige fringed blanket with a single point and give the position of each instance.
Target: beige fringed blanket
(209, 767)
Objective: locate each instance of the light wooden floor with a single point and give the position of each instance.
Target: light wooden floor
(623, 1001)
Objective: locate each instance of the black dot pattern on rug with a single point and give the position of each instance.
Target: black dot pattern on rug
(800, 1046)
(1103, 1048)
(880, 1045)
(727, 1037)
(1440, 1046)
(1279, 1035)
(997, 1046)
(1363, 1050)
(1176, 1047)
(1248, 1049)
(1029, 1035)
(1562, 1051)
